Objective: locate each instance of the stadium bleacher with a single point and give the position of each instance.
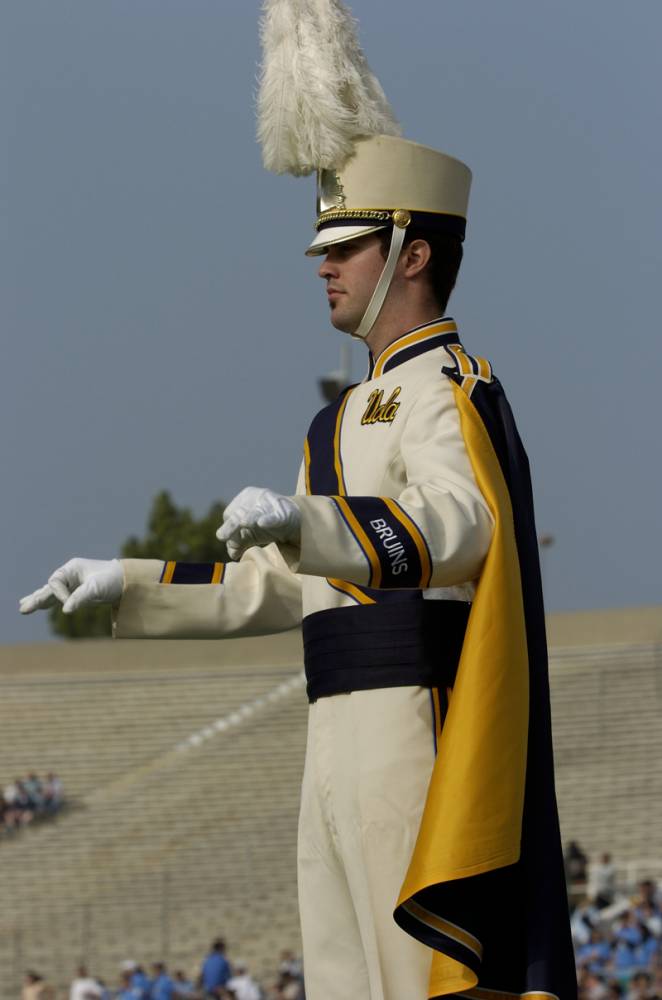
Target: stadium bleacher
(182, 763)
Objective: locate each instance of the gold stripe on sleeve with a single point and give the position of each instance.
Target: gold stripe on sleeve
(306, 460)
(168, 572)
(337, 460)
(218, 574)
(364, 542)
(414, 533)
(351, 590)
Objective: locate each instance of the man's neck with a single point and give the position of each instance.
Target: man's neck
(388, 329)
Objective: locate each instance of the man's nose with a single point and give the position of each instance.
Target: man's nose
(326, 269)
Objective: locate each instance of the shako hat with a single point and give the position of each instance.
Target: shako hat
(321, 108)
(390, 181)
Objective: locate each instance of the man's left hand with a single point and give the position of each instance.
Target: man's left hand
(259, 516)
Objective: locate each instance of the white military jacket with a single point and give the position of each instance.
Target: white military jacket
(390, 510)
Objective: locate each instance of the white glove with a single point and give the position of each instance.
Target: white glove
(78, 583)
(259, 516)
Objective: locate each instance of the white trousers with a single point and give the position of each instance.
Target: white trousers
(368, 763)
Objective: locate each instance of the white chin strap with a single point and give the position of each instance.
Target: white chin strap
(383, 285)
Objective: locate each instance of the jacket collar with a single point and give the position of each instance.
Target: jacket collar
(438, 333)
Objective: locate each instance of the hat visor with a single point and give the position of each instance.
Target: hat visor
(337, 234)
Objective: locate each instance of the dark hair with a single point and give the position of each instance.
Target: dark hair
(444, 263)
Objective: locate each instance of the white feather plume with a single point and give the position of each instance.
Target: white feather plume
(317, 93)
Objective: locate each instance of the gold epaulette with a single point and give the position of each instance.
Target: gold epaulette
(468, 369)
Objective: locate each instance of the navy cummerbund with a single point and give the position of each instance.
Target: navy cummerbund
(383, 645)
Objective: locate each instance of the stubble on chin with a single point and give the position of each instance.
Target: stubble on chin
(344, 324)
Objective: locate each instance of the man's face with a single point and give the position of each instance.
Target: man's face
(351, 271)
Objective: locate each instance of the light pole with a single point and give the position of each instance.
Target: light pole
(332, 385)
(545, 543)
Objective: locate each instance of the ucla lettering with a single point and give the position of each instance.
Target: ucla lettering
(378, 412)
(394, 547)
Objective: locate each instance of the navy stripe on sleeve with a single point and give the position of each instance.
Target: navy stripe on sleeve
(396, 558)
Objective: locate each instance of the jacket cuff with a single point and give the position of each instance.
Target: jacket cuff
(137, 572)
(327, 547)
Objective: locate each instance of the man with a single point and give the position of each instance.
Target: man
(183, 986)
(215, 970)
(242, 985)
(161, 986)
(602, 881)
(36, 988)
(409, 551)
(401, 497)
(136, 978)
(84, 987)
(127, 990)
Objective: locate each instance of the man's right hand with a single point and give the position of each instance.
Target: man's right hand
(78, 583)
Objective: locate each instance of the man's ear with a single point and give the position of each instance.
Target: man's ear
(415, 257)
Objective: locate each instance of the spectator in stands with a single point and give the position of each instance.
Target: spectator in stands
(651, 918)
(215, 970)
(593, 987)
(648, 893)
(640, 987)
(595, 954)
(53, 791)
(21, 801)
(126, 990)
(241, 985)
(585, 918)
(106, 992)
(629, 929)
(35, 988)
(602, 885)
(582, 975)
(289, 963)
(289, 987)
(161, 986)
(140, 981)
(645, 954)
(10, 792)
(34, 791)
(183, 987)
(6, 814)
(575, 863)
(22, 804)
(623, 959)
(83, 987)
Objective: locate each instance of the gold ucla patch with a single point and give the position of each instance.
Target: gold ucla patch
(379, 412)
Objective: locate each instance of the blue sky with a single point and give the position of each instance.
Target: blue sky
(162, 328)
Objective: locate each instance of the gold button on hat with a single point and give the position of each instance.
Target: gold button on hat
(401, 218)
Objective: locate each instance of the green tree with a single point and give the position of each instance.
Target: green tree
(172, 533)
